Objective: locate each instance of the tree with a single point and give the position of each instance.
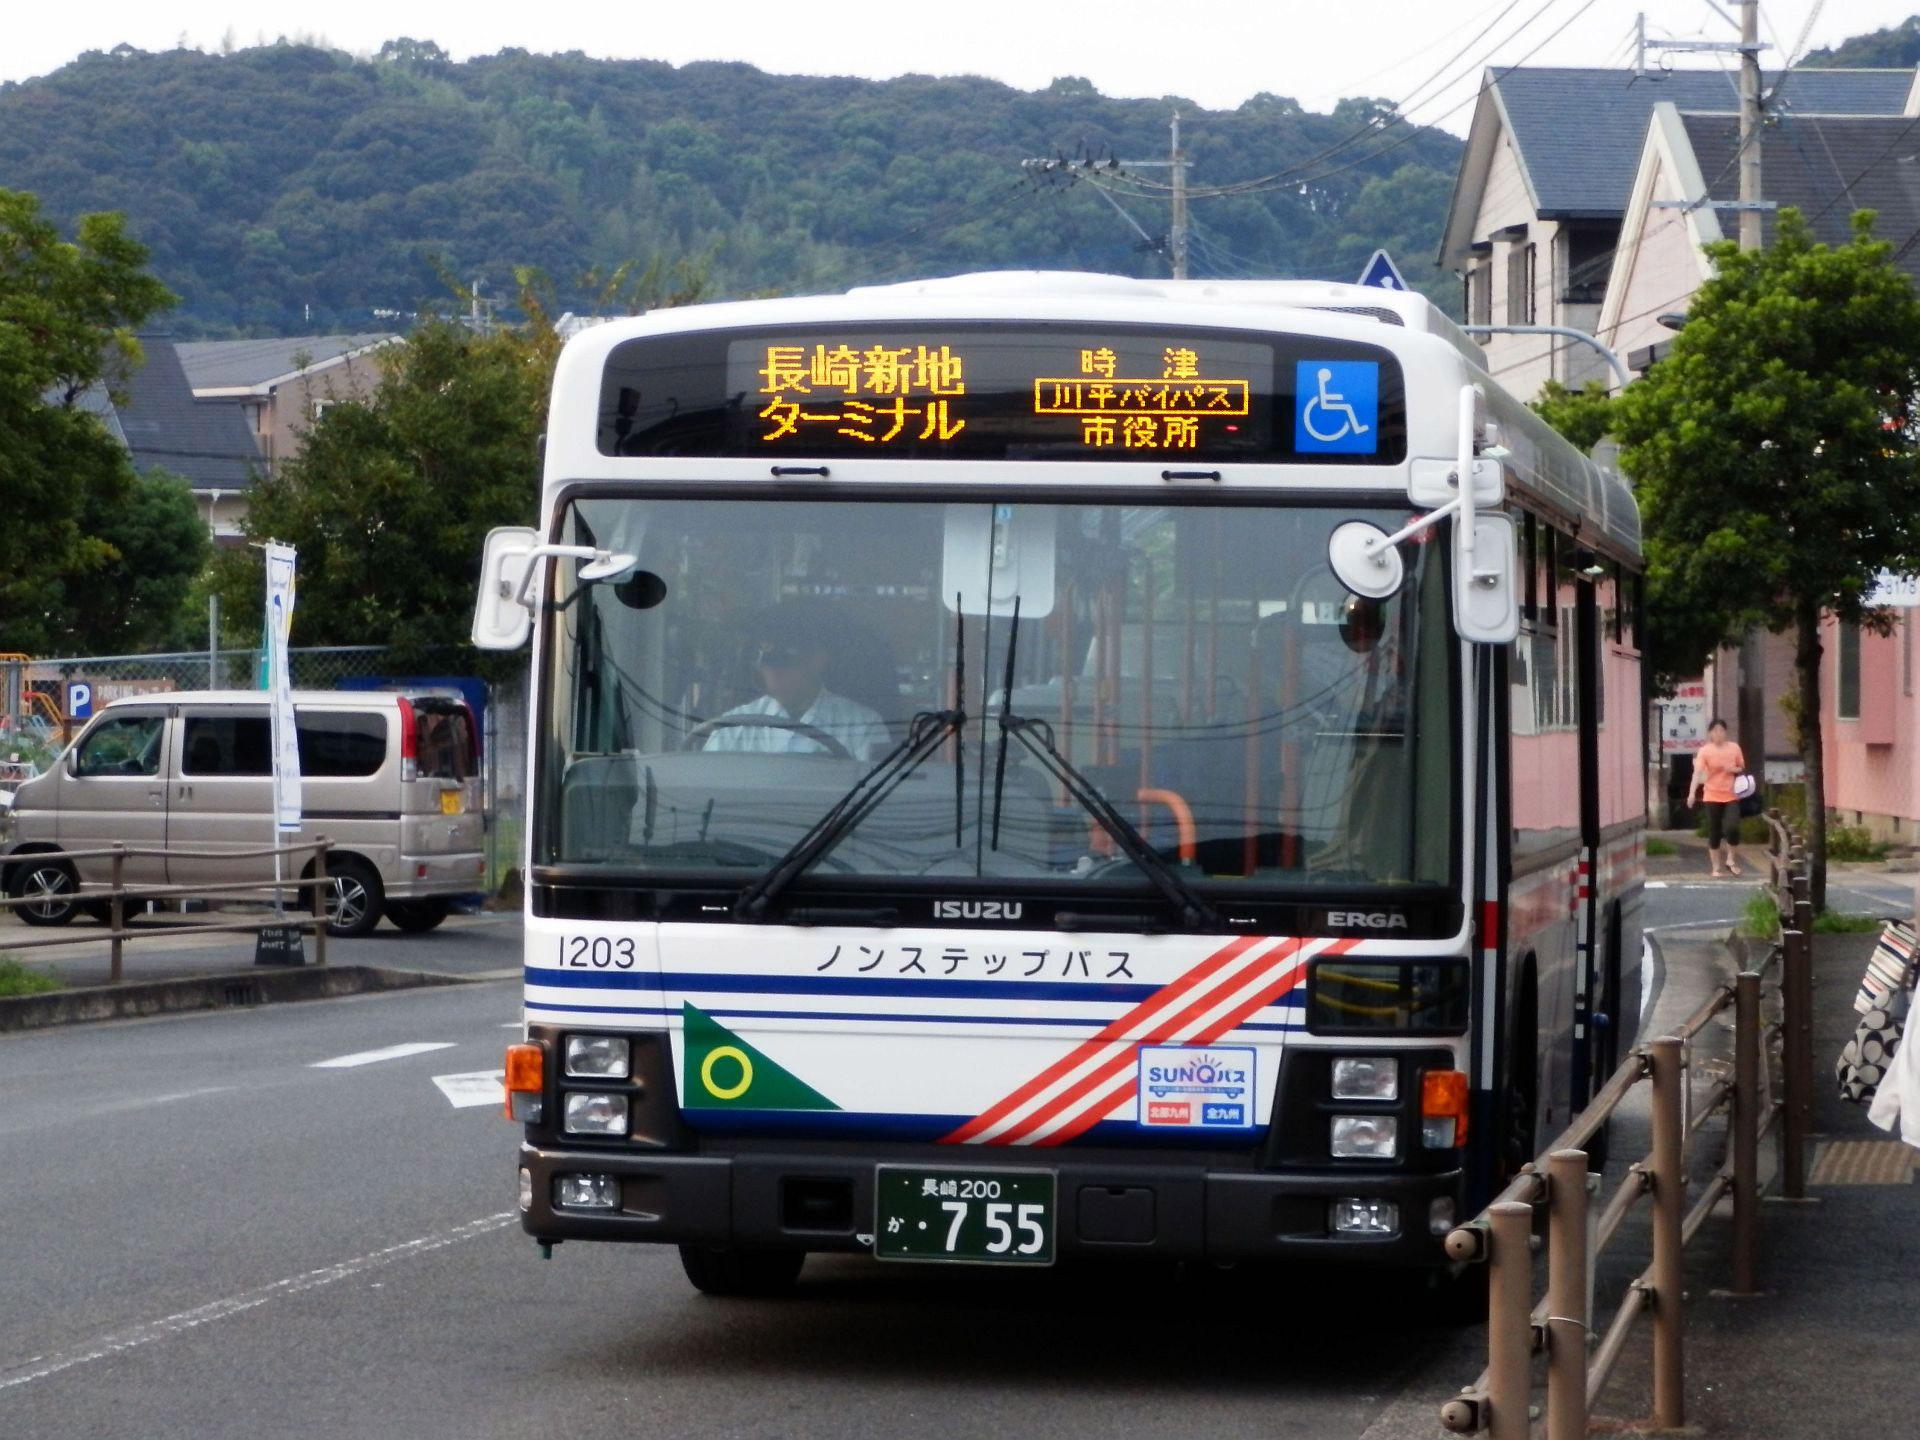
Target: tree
(68, 312)
(391, 498)
(1774, 454)
(1584, 416)
(137, 598)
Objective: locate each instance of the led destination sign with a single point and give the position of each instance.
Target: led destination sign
(1004, 392)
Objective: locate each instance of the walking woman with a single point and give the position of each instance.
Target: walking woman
(1719, 763)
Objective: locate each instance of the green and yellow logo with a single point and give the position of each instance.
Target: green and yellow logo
(720, 1071)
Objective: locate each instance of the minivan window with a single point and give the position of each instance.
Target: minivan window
(334, 745)
(121, 745)
(443, 741)
(227, 745)
(340, 744)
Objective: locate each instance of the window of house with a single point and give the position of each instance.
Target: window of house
(1847, 704)
(1480, 294)
(1520, 276)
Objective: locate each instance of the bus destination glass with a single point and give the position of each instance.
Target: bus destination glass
(1004, 392)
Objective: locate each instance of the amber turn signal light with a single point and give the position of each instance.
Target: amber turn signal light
(525, 1082)
(1443, 1108)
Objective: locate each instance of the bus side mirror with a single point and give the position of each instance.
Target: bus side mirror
(500, 620)
(1486, 608)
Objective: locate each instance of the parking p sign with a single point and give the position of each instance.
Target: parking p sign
(79, 700)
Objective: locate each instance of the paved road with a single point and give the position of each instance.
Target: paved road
(209, 1232)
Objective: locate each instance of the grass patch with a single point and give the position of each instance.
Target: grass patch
(1759, 920)
(1839, 922)
(17, 979)
(1657, 847)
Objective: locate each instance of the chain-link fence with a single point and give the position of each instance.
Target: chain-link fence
(44, 702)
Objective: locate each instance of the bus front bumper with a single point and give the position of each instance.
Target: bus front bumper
(825, 1203)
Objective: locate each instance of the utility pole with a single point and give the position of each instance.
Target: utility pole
(1752, 703)
(1750, 124)
(1175, 246)
(1177, 239)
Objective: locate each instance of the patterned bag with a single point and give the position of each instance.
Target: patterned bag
(1884, 1001)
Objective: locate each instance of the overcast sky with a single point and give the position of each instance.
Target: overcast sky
(1215, 52)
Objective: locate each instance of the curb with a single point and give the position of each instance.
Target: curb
(89, 1004)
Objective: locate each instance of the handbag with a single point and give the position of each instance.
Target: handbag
(1884, 1002)
(1746, 793)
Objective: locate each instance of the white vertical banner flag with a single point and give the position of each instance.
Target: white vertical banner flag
(281, 560)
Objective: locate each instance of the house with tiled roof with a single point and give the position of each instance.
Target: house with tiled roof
(1548, 174)
(154, 414)
(279, 386)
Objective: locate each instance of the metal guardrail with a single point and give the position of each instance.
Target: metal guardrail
(1560, 1324)
(116, 893)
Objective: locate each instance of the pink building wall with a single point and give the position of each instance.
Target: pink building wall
(1873, 761)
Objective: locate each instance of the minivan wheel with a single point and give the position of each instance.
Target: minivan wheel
(414, 916)
(48, 887)
(354, 899)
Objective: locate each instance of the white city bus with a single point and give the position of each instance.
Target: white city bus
(1038, 765)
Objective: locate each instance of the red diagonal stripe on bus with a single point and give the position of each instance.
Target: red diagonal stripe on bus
(1228, 1023)
(1165, 1029)
(1166, 995)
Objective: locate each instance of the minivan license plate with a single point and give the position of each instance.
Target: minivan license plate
(986, 1217)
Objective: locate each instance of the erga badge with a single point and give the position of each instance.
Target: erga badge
(1202, 1086)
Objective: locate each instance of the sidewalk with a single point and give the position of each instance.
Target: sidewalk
(1831, 1347)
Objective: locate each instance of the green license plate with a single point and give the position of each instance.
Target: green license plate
(986, 1217)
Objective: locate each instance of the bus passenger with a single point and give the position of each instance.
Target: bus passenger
(792, 663)
(1719, 763)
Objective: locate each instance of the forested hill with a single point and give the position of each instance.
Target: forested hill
(1895, 48)
(294, 189)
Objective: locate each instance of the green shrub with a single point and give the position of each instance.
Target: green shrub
(1853, 842)
(17, 979)
(1838, 922)
(1759, 920)
(1657, 846)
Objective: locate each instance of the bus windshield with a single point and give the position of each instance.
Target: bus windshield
(1194, 667)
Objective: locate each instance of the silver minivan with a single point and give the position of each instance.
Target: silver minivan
(392, 779)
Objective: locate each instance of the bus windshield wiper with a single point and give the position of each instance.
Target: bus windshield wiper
(1194, 912)
(929, 730)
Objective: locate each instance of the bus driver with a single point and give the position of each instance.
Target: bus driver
(792, 663)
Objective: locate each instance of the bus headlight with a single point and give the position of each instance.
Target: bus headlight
(586, 1192)
(1365, 1137)
(1366, 1077)
(1358, 1216)
(598, 1056)
(591, 1114)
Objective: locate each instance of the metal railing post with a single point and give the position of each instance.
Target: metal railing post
(117, 914)
(1750, 1103)
(1510, 1320)
(320, 846)
(1668, 1170)
(1568, 1324)
(1796, 1056)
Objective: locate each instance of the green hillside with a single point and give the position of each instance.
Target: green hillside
(1897, 47)
(290, 188)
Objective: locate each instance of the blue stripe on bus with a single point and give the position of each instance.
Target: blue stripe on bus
(729, 1014)
(735, 983)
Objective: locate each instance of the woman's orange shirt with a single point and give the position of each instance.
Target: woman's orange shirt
(1719, 764)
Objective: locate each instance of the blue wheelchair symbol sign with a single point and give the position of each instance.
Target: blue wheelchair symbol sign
(1336, 407)
(79, 700)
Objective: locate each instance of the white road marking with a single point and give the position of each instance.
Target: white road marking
(514, 1025)
(125, 1340)
(1656, 884)
(374, 1057)
(478, 1087)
